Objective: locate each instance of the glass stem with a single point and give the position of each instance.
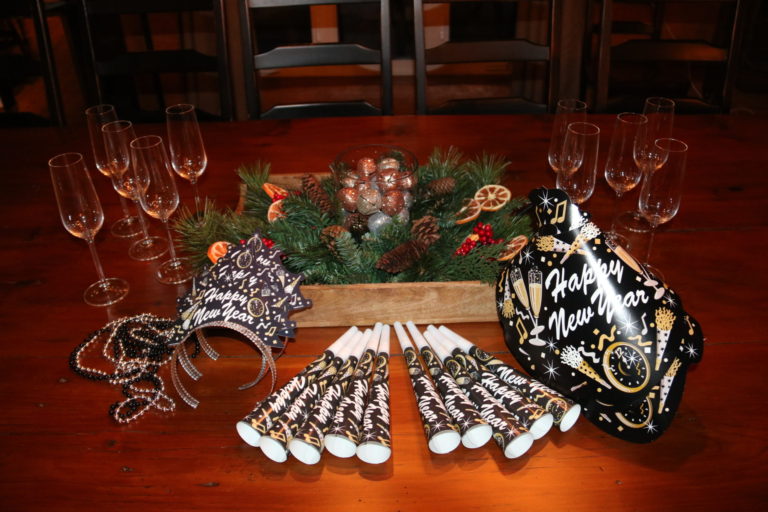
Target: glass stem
(142, 220)
(171, 248)
(96, 261)
(198, 208)
(124, 206)
(650, 244)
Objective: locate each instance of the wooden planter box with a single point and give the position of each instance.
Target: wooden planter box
(423, 303)
(365, 304)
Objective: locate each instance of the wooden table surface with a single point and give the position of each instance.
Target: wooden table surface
(61, 451)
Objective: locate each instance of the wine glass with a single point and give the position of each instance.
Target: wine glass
(159, 198)
(568, 111)
(578, 161)
(662, 188)
(98, 116)
(621, 171)
(660, 113)
(186, 145)
(82, 216)
(117, 137)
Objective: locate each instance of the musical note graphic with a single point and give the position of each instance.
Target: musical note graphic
(560, 211)
(521, 330)
(645, 327)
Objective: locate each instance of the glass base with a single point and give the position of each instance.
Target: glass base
(617, 238)
(106, 292)
(631, 221)
(655, 272)
(149, 248)
(126, 227)
(174, 271)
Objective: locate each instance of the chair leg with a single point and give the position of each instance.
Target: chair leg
(52, 91)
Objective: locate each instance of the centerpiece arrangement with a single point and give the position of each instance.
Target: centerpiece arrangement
(378, 218)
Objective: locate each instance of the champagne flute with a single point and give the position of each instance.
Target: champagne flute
(98, 116)
(660, 113)
(159, 198)
(578, 162)
(662, 189)
(82, 216)
(117, 139)
(621, 171)
(568, 111)
(186, 145)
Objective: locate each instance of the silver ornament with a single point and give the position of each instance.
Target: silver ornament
(408, 199)
(377, 221)
(389, 163)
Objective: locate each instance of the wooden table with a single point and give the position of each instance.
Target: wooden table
(61, 451)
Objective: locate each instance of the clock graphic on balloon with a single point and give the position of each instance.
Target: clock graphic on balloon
(626, 367)
(638, 416)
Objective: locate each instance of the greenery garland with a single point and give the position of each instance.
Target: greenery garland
(353, 259)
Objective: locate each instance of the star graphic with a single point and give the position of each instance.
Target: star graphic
(546, 201)
(671, 300)
(527, 255)
(650, 427)
(551, 370)
(499, 304)
(439, 426)
(691, 350)
(551, 345)
(628, 325)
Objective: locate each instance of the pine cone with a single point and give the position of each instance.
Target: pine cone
(400, 258)
(441, 186)
(425, 231)
(316, 193)
(356, 223)
(329, 235)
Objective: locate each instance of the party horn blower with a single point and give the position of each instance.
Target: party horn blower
(307, 443)
(274, 443)
(376, 439)
(513, 439)
(344, 433)
(564, 410)
(261, 418)
(535, 418)
(441, 432)
(475, 431)
(665, 318)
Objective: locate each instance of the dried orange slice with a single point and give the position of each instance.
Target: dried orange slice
(493, 197)
(469, 211)
(217, 250)
(273, 190)
(275, 211)
(513, 247)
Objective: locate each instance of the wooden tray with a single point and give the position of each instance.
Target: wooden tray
(364, 304)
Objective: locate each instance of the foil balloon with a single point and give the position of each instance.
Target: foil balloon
(585, 318)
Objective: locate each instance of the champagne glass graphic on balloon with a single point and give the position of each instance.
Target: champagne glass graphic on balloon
(186, 145)
(578, 164)
(81, 214)
(660, 113)
(568, 111)
(621, 171)
(530, 299)
(159, 198)
(97, 116)
(117, 139)
(662, 189)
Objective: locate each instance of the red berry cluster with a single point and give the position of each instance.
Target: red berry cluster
(277, 197)
(482, 234)
(269, 242)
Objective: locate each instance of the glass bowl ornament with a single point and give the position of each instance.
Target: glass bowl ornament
(377, 181)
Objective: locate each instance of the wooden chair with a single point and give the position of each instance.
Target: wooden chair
(512, 50)
(646, 48)
(321, 54)
(13, 64)
(116, 70)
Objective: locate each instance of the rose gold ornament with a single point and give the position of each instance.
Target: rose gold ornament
(347, 196)
(350, 179)
(368, 201)
(407, 181)
(393, 202)
(388, 180)
(366, 166)
(389, 163)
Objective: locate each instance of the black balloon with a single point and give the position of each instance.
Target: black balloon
(582, 316)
